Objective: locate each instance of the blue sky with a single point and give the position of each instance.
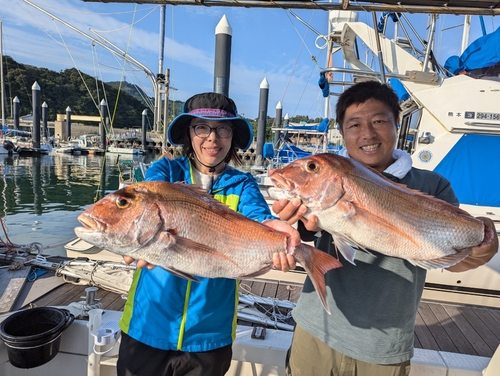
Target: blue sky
(266, 43)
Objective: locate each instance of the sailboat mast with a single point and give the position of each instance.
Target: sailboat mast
(160, 77)
(2, 88)
(328, 64)
(162, 39)
(465, 34)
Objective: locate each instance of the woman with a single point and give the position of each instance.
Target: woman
(172, 326)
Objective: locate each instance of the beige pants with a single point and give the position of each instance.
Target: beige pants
(308, 356)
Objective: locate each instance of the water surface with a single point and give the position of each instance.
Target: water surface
(41, 197)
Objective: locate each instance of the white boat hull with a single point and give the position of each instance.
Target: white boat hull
(117, 150)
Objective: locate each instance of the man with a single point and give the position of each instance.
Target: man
(374, 303)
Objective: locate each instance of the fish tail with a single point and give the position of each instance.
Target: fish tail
(316, 263)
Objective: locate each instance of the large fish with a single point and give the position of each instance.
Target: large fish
(189, 233)
(363, 209)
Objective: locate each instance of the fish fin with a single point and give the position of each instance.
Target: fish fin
(442, 262)
(257, 273)
(316, 263)
(198, 189)
(180, 274)
(180, 244)
(346, 247)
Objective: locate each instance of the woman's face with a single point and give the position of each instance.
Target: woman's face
(210, 149)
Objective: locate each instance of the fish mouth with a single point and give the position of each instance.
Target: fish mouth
(281, 183)
(90, 223)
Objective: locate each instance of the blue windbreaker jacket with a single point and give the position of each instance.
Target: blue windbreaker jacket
(171, 313)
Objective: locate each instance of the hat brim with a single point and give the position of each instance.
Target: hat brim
(242, 135)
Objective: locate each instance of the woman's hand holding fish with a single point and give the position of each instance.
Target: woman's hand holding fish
(481, 254)
(284, 261)
(140, 263)
(293, 210)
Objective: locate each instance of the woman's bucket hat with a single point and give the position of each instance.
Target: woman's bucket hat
(211, 106)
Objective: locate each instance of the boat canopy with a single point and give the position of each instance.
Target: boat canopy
(472, 167)
(484, 52)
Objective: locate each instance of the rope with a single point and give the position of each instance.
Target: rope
(16, 265)
(274, 312)
(84, 307)
(8, 247)
(9, 243)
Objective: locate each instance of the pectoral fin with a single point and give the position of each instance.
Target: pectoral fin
(180, 274)
(257, 273)
(442, 262)
(346, 247)
(176, 243)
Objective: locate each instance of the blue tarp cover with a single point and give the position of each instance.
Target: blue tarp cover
(482, 53)
(268, 150)
(472, 167)
(14, 132)
(321, 127)
(323, 85)
(400, 90)
(289, 153)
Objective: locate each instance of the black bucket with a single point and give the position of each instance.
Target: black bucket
(33, 336)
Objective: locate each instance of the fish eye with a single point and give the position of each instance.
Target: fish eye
(121, 202)
(312, 166)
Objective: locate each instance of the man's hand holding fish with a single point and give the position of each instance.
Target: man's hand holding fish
(294, 210)
(480, 254)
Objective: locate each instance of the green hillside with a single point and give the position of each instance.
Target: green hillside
(81, 92)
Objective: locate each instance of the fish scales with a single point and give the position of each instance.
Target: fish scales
(420, 223)
(190, 234)
(361, 208)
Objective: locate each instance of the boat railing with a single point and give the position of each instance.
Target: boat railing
(358, 75)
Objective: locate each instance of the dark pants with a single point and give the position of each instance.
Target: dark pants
(137, 359)
(308, 356)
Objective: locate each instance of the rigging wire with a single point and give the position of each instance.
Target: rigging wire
(49, 35)
(76, 65)
(64, 45)
(108, 131)
(303, 44)
(127, 26)
(94, 52)
(304, 90)
(66, 10)
(124, 63)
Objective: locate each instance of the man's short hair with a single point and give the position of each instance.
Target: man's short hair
(363, 91)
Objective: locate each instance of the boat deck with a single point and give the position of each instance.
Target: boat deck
(440, 326)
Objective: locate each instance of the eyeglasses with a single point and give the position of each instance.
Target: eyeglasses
(204, 130)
